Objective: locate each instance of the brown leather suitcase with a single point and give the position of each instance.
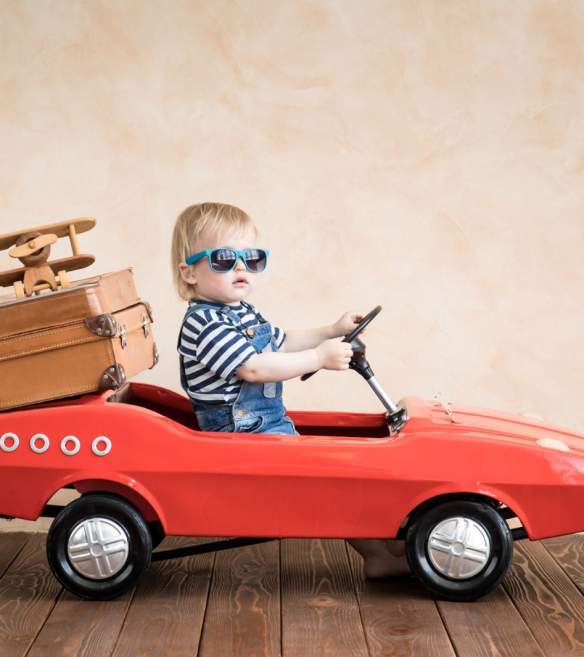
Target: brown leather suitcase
(91, 336)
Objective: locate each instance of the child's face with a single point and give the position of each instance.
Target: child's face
(229, 287)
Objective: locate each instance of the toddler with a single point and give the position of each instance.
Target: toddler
(233, 361)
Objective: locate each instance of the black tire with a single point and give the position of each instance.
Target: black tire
(156, 533)
(119, 517)
(462, 586)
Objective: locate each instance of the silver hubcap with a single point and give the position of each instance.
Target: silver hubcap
(98, 548)
(459, 548)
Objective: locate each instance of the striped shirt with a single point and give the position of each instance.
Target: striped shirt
(213, 349)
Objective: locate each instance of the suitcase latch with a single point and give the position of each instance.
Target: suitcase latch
(104, 326)
(145, 326)
(123, 336)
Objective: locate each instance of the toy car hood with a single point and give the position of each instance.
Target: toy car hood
(485, 424)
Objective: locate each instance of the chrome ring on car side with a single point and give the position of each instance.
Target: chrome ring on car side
(46, 443)
(70, 451)
(101, 451)
(15, 442)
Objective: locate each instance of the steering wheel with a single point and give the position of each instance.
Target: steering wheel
(369, 317)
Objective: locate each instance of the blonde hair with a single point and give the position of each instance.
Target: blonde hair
(217, 218)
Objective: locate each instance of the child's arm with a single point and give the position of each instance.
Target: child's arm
(299, 340)
(302, 352)
(278, 366)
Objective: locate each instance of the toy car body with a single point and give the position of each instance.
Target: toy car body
(447, 482)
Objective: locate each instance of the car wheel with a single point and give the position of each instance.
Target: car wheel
(459, 550)
(98, 546)
(156, 533)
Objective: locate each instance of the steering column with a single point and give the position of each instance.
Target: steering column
(396, 416)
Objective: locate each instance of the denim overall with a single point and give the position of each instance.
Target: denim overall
(258, 407)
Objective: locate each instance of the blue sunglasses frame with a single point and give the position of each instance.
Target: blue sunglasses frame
(239, 254)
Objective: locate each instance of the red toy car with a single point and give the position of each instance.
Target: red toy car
(446, 479)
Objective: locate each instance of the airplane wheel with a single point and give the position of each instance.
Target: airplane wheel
(459, 550)
(98, 546)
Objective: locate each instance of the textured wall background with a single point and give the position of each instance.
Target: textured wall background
(427, 156)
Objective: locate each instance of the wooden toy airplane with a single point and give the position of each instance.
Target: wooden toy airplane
(33, 247)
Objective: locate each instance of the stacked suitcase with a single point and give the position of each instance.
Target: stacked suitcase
(91, 336)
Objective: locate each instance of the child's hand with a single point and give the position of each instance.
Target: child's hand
(334, 354)
(347, 323)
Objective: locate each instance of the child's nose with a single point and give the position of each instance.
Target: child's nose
(239, 264)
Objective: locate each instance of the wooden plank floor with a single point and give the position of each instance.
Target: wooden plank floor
(291, 598)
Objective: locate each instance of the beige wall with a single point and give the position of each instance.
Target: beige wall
(427, 156)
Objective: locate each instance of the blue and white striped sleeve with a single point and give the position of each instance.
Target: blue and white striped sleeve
(215, 343)
(187, 345)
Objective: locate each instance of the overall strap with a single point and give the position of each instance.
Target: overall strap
(255, 312)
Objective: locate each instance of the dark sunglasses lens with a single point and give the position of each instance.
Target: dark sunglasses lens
(222, 260)
(256, 259)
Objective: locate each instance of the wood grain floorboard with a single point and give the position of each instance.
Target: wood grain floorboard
(488, 627)
(166, 616)
(568, 551)
(320, 615)
(28, 592)
(243, 610)
(10, 546)
(400, 617)
(548, 600)
(238, 603)
(81, 628)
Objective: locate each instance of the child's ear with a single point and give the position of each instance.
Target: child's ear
(187, 274)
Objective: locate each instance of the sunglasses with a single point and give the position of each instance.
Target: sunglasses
(223, 259)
